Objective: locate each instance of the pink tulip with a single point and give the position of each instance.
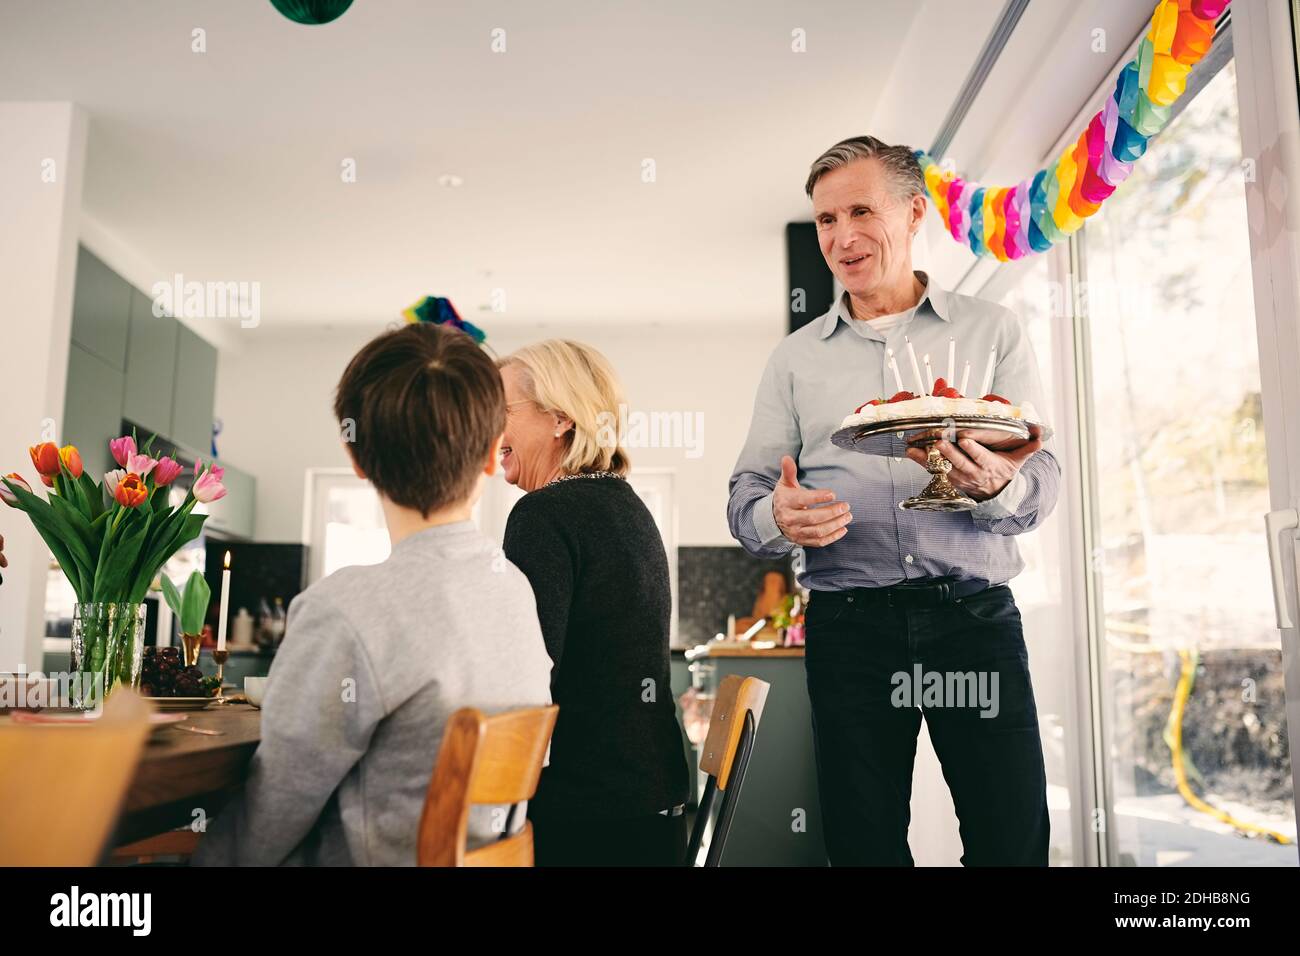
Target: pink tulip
(111, 478)
(208, 487)
(122, 448)
(217, 471)
(166, 471)
(140, 464)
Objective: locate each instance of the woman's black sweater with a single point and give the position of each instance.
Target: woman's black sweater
(594, 557)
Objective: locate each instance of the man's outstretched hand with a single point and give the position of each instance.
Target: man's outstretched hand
(803, 514)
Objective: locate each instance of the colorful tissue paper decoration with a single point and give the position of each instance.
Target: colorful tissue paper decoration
(440, 311)
(1008, 223)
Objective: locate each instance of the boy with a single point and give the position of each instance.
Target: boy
(375, 659)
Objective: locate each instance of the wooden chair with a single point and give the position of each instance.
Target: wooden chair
(63, 787)
(733, 726)
(484, 759)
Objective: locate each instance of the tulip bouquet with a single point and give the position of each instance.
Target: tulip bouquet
(111, 538)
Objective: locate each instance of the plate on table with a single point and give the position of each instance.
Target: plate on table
(181, 703)
(67, 718)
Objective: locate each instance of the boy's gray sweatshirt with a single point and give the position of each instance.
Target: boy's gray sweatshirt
(374, 661)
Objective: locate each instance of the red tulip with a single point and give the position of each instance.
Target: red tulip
(7, 495)
(131, 491)
(47, 481)
(71, 460)
(45, 457)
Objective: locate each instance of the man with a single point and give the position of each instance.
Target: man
(376, 659)
(900, 592)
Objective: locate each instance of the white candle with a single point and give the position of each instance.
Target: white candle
(225, 604)
(929, 375)
(893, 364)
(916, 370)
(965, 379)
(988, 372)
(952, 359)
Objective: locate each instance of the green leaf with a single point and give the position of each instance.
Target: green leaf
(189, 528)
(79, 539)
(195, 603)
(94, 497)
(56, 534)
(119, 575)
(172, 596)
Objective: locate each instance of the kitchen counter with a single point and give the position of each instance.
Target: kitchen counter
(741, 649)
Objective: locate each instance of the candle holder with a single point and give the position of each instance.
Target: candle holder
(192, 646)
(893, 438)
(221, 656)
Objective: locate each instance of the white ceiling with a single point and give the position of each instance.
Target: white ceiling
(225, 165)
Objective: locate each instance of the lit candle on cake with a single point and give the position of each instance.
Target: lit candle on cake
(893, 364)
(916, 369)
(965, 379)
(929, 376)
(952, 359)
(988, 372)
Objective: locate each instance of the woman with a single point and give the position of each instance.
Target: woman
(614, 789)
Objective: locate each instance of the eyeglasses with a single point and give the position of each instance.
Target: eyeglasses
(522, 401)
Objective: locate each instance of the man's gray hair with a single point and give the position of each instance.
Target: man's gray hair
(899, 162)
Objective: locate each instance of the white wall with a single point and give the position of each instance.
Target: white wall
(274, 397)
(42, 157)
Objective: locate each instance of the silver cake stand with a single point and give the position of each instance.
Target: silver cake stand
(893, 438)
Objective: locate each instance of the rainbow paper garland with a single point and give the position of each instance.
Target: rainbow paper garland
(1012, 222)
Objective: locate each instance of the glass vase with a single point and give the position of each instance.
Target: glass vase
(107, 650)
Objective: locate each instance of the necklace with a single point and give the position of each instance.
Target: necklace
(584, 474)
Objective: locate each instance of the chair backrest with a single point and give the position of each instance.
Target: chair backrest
(733, 726)
(736, 696)
(490, 760)
(62, 786)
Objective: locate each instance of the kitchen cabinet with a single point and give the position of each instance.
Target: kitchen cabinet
(150, 368)
(101, 305)
(194, 392)
(92, 408)
(234, 514)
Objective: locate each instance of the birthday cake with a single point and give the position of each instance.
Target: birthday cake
(944, 402)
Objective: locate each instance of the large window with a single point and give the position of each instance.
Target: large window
(1191, 682)
(1042, 587)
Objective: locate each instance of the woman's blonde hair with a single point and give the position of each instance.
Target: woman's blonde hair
(579, 383)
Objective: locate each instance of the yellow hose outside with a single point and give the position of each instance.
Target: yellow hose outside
(1174, 729)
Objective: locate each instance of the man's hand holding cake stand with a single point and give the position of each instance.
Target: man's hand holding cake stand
(978, 470)
(972, 461)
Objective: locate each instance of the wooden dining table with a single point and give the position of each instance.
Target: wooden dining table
(182, 772)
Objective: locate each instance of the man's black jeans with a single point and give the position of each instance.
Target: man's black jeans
(873, 670)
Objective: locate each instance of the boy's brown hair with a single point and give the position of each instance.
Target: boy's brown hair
(425, 404)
